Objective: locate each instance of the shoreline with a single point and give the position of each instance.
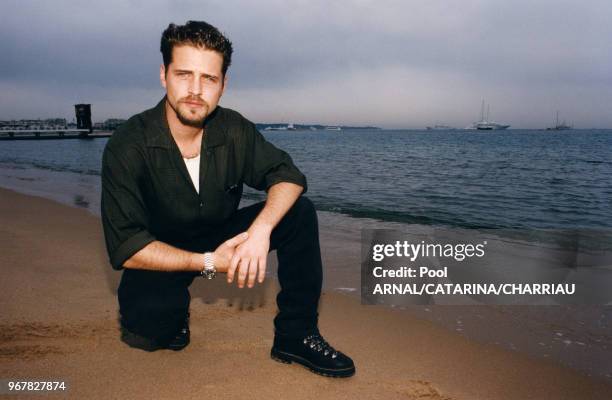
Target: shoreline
(574, 336)
(55, 264)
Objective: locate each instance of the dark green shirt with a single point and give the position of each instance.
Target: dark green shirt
(147, 193)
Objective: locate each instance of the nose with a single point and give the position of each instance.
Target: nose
(195, 87)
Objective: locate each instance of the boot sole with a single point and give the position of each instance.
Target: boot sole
(177, 347)
(139, 342)
(288, 358)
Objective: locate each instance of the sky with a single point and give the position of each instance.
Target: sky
(393, 64)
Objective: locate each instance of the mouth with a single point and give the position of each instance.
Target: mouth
(193, 103)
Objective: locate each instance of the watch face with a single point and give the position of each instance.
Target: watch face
(209, 273)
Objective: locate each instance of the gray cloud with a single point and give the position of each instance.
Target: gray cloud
(393, 63)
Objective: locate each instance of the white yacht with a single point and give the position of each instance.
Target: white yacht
(485, 124)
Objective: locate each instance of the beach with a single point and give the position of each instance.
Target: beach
(59, 322)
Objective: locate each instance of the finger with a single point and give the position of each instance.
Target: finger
(236, 240)
(242, 271)
(262, 269)
(232, 268)
(252, 272)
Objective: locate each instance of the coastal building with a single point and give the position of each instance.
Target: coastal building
(33, 124)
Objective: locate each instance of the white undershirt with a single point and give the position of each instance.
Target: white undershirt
(193, 166)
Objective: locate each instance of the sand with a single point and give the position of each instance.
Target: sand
(59, 322)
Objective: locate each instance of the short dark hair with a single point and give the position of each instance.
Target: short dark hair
(199, 34)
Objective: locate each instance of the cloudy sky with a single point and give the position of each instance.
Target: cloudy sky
(388, 63)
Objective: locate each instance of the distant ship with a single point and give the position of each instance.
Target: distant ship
(333, 128)
(484, 124)
(559, 126)
(289, 127)
(440, 128)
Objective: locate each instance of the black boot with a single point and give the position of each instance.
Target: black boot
(182, 338)
(313, 352)
(178, 342)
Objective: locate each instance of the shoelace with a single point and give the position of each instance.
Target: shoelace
(317, 343)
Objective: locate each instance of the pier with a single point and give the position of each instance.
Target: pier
(51, 134)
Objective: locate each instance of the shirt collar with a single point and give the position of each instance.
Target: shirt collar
(161, 136)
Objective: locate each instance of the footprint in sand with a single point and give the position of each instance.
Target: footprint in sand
(33, 340)
(416, 390)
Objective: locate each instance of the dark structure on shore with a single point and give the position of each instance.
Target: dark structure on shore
(53, 128)
(83, 116)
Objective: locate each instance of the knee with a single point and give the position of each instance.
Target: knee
(301, 214)
(305, 207)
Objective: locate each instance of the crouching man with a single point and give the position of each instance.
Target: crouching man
(172, 180)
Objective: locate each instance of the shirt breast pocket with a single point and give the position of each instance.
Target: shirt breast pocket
(231, 197)
(224, 203)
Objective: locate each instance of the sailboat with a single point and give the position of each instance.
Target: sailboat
(559, 126)
(484, 124)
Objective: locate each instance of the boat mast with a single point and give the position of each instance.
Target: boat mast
(482, 114)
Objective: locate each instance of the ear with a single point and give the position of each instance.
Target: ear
(162, 75)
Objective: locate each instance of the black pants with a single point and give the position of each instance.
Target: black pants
(154, 304)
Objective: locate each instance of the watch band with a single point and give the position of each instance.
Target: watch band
(209, 270)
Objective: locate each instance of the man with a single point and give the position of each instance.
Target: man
(172, 179)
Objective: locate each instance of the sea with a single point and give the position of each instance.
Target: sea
(472, 179)
(515, 180)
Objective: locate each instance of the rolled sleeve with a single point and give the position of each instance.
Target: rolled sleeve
(267, 165)
(125, 218)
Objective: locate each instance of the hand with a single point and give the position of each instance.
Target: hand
(223, 254)
(250, 259)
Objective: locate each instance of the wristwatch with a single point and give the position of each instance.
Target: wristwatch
(209, 270)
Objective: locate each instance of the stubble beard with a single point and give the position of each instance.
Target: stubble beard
(186, 117)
